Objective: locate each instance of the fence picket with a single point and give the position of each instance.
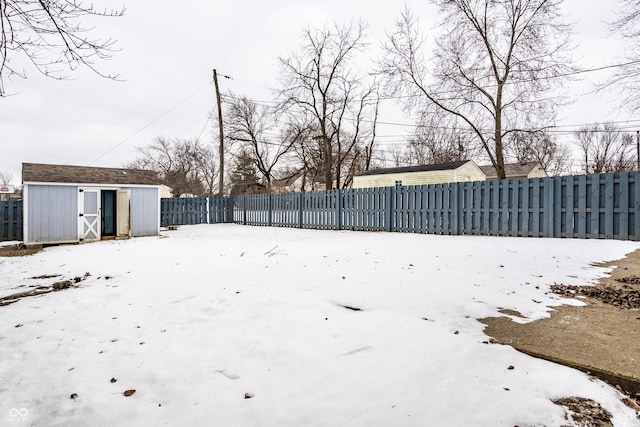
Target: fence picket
(609, 207)
(556, 204)
(636, 208)
(595, 206)
(548, 220)
(623, 208)
(11, 220)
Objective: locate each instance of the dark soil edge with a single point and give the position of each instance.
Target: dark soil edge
(629, 385)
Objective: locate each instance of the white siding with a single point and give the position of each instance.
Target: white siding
(537, 172)
(52, 214)
(145, 211)
(467, 172)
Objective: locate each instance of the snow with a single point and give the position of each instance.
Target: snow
(195, 319)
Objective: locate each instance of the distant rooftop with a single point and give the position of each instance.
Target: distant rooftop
(421, 168)
(512, 170)
(38, 172)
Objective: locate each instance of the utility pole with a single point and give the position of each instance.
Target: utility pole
(221, 184)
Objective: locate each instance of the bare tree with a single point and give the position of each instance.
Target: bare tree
(605, 149)
(320, 89)
(308, 155)
(5, 177)
(626, 78)
(628, 19)
(495, 66)
(50, 35)
(437, 139)
(184, 165)
(553, 156)
(251, 127)
(209, 166)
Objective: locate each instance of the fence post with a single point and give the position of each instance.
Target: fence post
(244, 209)
(338, 209)
(549, 207)
(636, 206)
(455, 218)
(228, 204)
(389, 208)
(269, 210)
(207, 210)
(300, 209)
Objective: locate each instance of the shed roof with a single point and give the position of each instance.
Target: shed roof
(421, 168)
(38, 172)
(511, 170)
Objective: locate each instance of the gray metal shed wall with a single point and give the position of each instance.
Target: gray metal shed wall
(52, 213)
(145, 213)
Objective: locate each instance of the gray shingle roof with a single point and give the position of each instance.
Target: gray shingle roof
(37, 172)
(512, 170)
(421, 168)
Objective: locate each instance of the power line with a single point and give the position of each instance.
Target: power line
(151, 122)
(273, 105)
(204, 127)
(266, 103)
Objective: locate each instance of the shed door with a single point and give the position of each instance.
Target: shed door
(108, 213)
(89, 214)
(123, 214)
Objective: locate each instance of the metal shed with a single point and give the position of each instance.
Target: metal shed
(70, 204)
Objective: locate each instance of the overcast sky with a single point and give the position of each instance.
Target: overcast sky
(168, 51)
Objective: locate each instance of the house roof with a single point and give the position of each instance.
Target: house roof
(511, 170)
(421, 168)
(37, 172)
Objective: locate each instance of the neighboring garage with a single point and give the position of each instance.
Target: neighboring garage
(465, 170)
(69, 204)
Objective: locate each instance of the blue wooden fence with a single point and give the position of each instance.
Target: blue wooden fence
(195, 210)
(11, 220)
(605, 206)
(588, 206)
(177, 210)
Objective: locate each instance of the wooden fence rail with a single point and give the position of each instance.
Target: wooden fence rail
(11, 220)
(604, 206)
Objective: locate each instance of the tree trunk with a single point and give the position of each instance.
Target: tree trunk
(328, 160)
(499, 151)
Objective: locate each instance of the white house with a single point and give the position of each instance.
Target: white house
(465, 170)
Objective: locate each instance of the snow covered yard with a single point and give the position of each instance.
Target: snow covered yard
(242, 326)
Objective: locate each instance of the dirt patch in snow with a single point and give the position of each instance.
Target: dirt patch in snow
(584, 412)
(626, 296)
(19, 250)
(39, 290)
